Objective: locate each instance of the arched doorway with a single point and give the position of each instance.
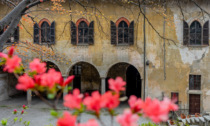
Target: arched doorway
(50, 65)
(133, 80)
(129, 74)
(87, 78)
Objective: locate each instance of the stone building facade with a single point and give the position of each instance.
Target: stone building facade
(112, 44)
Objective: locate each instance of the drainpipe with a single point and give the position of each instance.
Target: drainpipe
(144, 29)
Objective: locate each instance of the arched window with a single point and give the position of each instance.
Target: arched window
(83, 32)
(123, 32)
(45, 32)
(195, 33)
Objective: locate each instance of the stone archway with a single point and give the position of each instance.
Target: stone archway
(87, 77)
(129, 74)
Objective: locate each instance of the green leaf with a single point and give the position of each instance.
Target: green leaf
(20, 120)
(4, 122)
(69, 88)
(54, 113)
(51, 96)
(15, 119)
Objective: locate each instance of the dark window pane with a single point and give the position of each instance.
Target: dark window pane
(195, 82)
(195, 33)
(45, 32)
(83, 32)
(123, 32)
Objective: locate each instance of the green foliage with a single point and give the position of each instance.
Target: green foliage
(54, 113)
(149, 124)
(20, 120)
(15, 119)
(51, 96)
(26, 123)
(4, 122)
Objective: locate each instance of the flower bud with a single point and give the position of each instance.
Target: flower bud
(15, 111)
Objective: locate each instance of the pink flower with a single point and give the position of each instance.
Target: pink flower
(110, 100)
(22, 112)
(157, 110)
(67, 81)
(67, 120)
(24, 107)
(51, 78)
(37, 66)
(12, 63)
(135, 104)
(93, 102)
(25, 82)
(2, 55)
(127, 119)
(91, 122)
(15, 111)
(73, 101)
(11, 51)
(117, 84)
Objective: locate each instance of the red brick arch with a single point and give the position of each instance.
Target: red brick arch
(80, 20)
(122, 19)
(44, 20)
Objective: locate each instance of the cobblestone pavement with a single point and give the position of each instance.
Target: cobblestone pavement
(38, 114)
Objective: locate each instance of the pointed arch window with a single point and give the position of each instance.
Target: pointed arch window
(194, 34)
(82, 33)
(44, 32)
(122, 32)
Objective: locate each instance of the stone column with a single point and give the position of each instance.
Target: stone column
(103, 85)
(29, 97)
(65, 91)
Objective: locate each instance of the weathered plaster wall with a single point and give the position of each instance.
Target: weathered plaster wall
(180, 60)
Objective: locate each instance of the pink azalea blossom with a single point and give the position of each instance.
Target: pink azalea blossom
(73, 101)
(50, 79)
(12, 64)
(37, 66)
(67, 120)
(117, 84)
(25, 82)
(11, 51)
(110, 100)
(157, 110)
(93, 102)
(67, 81)
(127, 118)
(135, 104)
(91, 122)
(2, 55)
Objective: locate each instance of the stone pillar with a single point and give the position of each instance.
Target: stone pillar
(65, 91)
(29, 97)
(103, 85)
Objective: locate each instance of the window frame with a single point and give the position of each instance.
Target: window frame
(122, 19)
(189, 34)
(40, 31)
(194, 84)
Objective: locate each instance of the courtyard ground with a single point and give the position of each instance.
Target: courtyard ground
(39, 113)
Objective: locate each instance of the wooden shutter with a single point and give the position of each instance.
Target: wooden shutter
(131, 33)
(52, 33)
(73, 33)
(91, 33)
(16, 35)
(185, 33)
(36, 33)
(206, 33)
(113, 33)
